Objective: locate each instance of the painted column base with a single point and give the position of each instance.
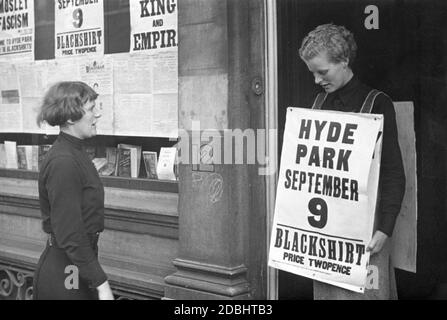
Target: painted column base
(194, 280)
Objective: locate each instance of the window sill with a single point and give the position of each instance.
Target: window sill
(108, 181)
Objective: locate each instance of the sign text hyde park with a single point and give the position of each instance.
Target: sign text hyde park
(324, 210)
(322, 184)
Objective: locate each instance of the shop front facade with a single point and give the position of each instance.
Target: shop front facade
(206, 235)
(188, 238)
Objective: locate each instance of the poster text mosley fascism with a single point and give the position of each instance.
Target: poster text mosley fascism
(17, 29)
(326, 196)
(79, 28)
(153, 26)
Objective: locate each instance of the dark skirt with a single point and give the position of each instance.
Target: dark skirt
(51, 282)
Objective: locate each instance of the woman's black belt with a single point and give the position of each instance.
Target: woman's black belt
(93, 238)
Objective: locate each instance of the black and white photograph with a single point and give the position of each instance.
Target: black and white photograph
(240, 152)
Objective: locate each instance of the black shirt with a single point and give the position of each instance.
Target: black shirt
(71, 198)
(350, 98)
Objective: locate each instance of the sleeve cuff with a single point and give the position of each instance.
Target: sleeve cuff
(93, 273)
(386, 224)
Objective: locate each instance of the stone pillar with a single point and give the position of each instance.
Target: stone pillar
(214, 199)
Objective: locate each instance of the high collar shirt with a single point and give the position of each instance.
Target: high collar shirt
(71, 198)
(350, 98)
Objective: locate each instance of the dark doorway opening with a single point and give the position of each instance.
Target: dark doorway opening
(406, 57)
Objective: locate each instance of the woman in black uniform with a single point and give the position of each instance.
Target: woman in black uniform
(71, 200)
(329, 51)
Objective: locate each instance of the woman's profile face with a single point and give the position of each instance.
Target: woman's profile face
(86, 126)
(330, 75)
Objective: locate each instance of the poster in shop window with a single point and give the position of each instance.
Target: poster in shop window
(17, 29)
(150, 78)
(79, 28)
(153, 26)
(326, 196)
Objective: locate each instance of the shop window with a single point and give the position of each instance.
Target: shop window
(149, 132)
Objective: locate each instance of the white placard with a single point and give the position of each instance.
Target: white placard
(153, 26)
(326, 196)
(79, 28)
(17, 29)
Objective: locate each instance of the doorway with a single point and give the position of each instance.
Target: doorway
(404, 54)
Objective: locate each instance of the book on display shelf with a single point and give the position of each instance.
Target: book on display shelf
(11, 154)
(150, 163)
(2, 156)
(27, 157)
(110, 167)
(43, 150)
(133, 157)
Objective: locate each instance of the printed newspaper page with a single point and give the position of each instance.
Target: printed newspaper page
(155, 78)
(32, 81)
(10, 100)
(133, 114)
(98, 74)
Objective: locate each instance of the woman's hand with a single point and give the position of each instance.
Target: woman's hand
(104, 291)
(377, 242)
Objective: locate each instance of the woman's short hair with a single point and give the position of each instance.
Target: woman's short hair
(64, 101)
(337, 41)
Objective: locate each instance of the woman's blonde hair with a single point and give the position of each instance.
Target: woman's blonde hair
(337, 41)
